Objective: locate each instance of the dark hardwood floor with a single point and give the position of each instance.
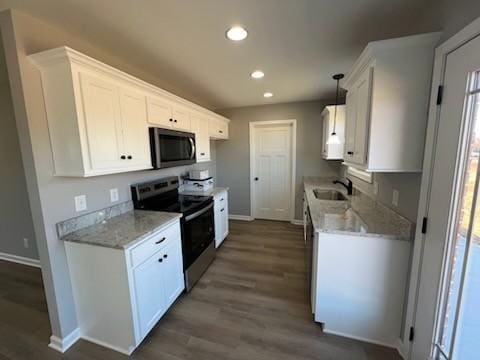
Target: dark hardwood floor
(251, 304)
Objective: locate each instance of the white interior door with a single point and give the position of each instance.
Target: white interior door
(448, 317)
(272, 156)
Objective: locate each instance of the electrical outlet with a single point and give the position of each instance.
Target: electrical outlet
(395, 196)
(114, 195)
(26, 243)
(375, 188)
(80, 203)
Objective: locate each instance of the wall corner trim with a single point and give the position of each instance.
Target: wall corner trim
(63, 344)
(20, 260)
(240, 217)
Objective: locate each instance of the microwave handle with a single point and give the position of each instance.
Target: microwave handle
(192, 144)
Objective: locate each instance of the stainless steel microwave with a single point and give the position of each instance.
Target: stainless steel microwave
(171, 148)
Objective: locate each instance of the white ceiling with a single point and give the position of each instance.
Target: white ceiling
(299, 44)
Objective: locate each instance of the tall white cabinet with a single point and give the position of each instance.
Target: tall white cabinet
(387, 102)
(98, 116)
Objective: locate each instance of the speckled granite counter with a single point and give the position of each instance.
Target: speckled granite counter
(121, 231)
(359, 216)
(212, 192)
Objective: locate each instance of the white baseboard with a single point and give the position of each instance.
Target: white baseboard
(62, 345)
(350, 336)
(20, 260)
(402, 348)
(297, 222)
(240, 217)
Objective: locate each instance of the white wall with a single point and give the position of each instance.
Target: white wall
(15, 217)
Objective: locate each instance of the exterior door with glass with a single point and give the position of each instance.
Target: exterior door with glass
(448, 314)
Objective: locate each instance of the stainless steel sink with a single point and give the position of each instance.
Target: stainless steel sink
(329, 195)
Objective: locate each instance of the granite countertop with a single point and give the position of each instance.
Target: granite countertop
(124, 230)
(360, 215)
(211, 192)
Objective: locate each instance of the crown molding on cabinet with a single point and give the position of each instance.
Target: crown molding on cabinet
(59, 55)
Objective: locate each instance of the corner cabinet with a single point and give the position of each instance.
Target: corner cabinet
(98, 117)
(388, 90)
(221, 216)
(333, 151)
(120, 294)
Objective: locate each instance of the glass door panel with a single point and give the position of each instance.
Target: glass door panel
(458, 332)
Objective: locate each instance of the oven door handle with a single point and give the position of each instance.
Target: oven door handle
(192, 144)
(198, 213)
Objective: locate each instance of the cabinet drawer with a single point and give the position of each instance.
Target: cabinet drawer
(155, 243)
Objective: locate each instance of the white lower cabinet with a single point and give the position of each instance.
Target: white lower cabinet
(221, 216)
(120, 294)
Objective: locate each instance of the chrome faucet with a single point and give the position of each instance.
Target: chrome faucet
(348, 185)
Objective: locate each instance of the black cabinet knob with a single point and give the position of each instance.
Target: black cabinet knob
(165, 256)
(220, 131)
(175, 120)
(123, 157)
(160, 241)
(171, 119)
(160, 260)
(256, 179)
(129, 157)
(202, 154)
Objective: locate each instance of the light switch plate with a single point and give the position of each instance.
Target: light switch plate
(395, 196)
(80, 203)
(375, 188)
(114, 195)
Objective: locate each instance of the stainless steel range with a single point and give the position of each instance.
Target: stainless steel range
(197, 223)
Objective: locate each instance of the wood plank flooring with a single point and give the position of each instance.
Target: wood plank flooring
(252, 303)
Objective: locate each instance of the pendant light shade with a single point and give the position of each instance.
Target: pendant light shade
(333, 139)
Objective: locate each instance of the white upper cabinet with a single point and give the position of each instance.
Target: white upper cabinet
(98, 117)
(202, 137)
(218, 128)
(333, 151)
(387, 103)
(165, 114)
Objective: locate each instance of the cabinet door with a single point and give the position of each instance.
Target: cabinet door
(149, 292)
(172, 271)
(202, 140)
(135, 130)
(181, 119)
(102, 121)
(224, 214)
(363, 92)
(325, 135)
(350, 122)
(159, 112)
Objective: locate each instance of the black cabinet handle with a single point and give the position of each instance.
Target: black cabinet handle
(220, 131)
(165, 256)
(222, 209)
(202, 154)
(129, 157)
(350, 152)
(160, 241)
(221, 199)
(160, 260)
(123, 157)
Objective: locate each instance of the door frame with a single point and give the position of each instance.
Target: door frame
(293, 166)
(468, 33)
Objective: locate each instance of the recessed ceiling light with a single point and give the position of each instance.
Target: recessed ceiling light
(257, 74)
(237, 33)
(268, 95)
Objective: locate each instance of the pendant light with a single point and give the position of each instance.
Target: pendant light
(333, 138)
